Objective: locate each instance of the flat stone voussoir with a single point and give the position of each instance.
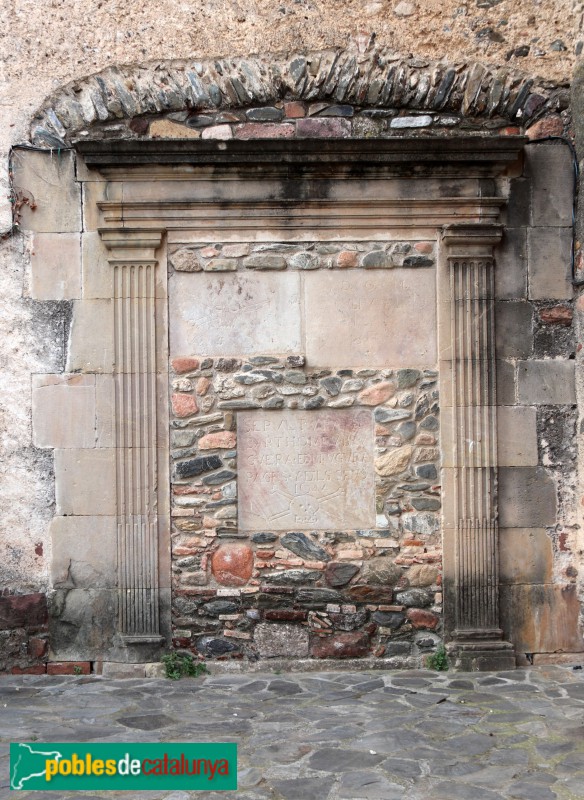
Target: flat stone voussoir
(336, 735)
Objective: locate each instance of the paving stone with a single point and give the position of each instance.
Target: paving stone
(336, 760)
(146, 722)
(369, 785)
(304, 788)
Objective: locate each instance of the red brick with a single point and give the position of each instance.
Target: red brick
(23, 611)
(68, 668)
(181, 365)
(37, 647)
(422, 619)
(39, 669)
(557, 315)
(183, 405)
(261, 130)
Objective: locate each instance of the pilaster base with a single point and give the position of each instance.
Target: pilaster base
(138, 649)
(481, 656)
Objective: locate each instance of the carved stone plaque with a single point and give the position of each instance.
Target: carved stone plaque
(372, 319)
(306, 469)
(234, 314)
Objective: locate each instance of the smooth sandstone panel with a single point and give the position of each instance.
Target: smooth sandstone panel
(306, 469)
(85, 482)
(55, 264)
(525, 555)
(91, 342)
(516, 436)
(63, 411)
(234, 314)
(378, 319)
(542, 618)
(47, 181)
(83, 552)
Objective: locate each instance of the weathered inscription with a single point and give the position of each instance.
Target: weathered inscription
(310, 469)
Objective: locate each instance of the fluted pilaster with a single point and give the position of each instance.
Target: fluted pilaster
(468, 342)
(135, 377)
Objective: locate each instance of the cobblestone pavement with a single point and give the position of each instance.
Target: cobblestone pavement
(374, 735)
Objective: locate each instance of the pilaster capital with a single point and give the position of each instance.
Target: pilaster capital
(471, 239)
(131, 246)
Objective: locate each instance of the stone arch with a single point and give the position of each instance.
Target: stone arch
(358, 75)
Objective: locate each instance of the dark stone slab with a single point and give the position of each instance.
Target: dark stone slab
(304, 546)
(146, 722)
(196, 466)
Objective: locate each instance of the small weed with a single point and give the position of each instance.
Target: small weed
(77, 670)
(438, 660)
(179, 666)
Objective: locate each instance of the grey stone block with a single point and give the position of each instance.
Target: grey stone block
(518, 211)
(513, 326)
(511, 265)
(546, 382)
(527, 497)
(552, 183)
(505, 383)
(549, 252)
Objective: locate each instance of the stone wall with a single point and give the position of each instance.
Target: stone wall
(65, 279)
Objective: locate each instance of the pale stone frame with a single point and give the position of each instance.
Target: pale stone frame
(124, 226)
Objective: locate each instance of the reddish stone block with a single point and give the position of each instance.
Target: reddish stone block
(323, 127)
(548, 126)
(422, 619)
(377, 394)
(37, 648)
(232, 564)
(557, 315)
(341, 645)
(511, 130)
(202, 386)
(68, 668)
(38, 669)
(183, 405)
(261, 130)
(265, 554)
(361, 593)
(222, 439)
(347, 259)
(424, 247)
(294, 110)
(23, 611)
(181, 365)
